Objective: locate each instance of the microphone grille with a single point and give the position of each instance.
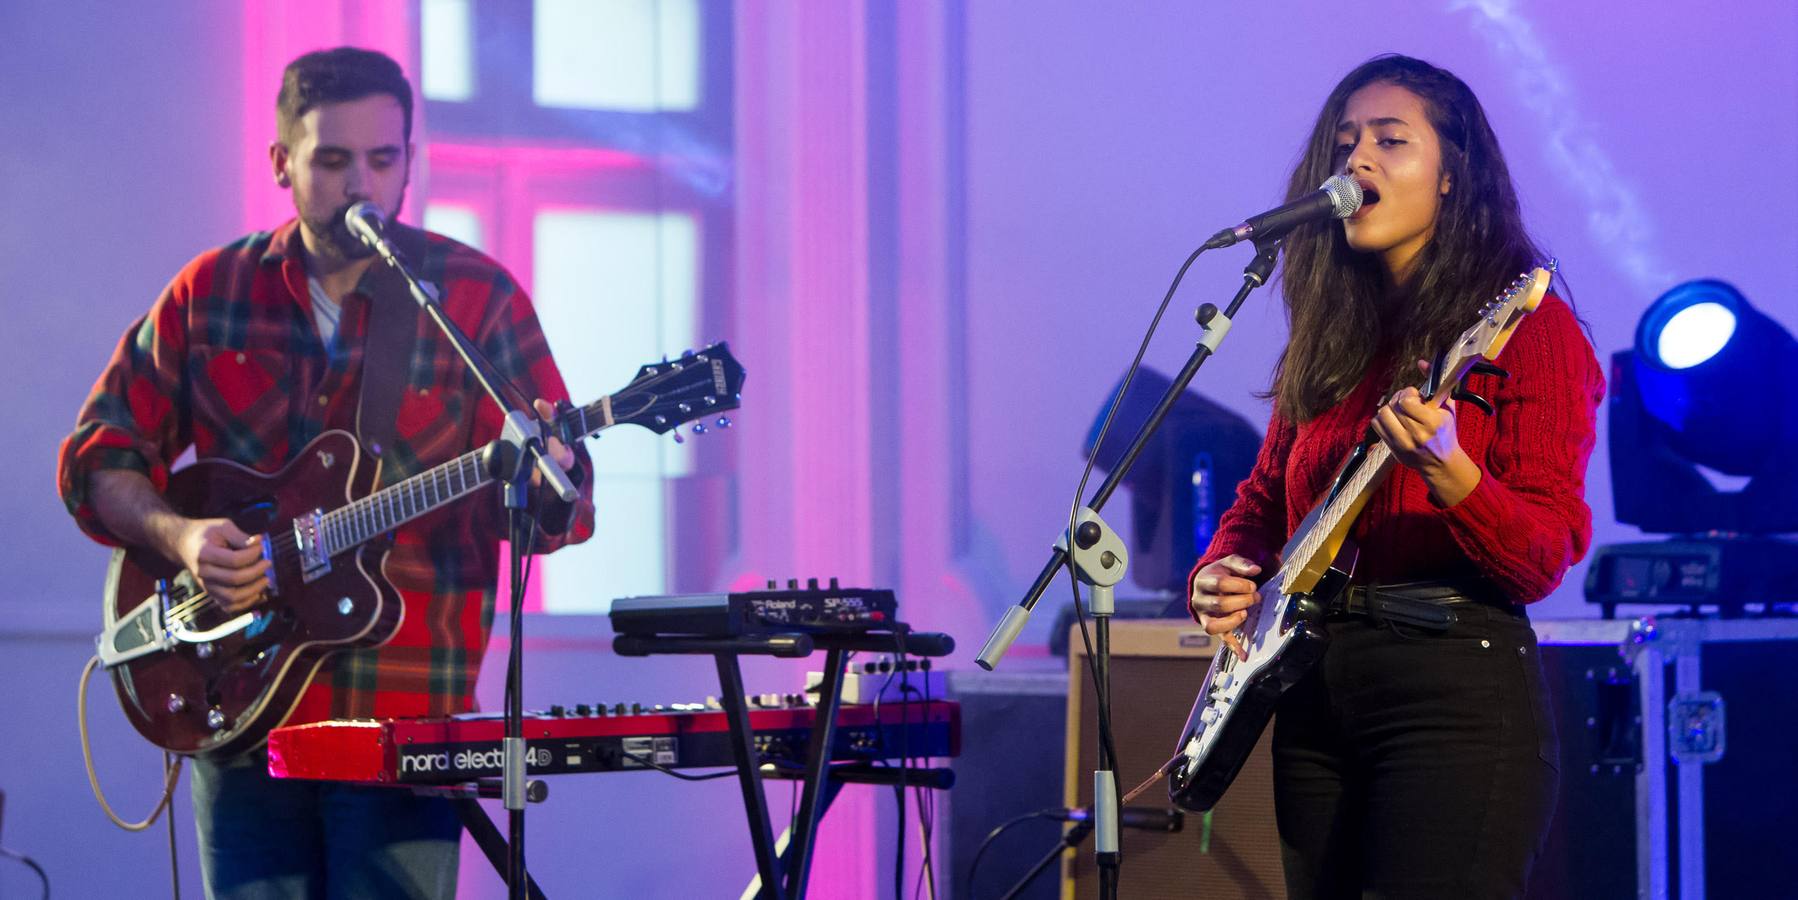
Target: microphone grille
(1345, 195)
(365, 211)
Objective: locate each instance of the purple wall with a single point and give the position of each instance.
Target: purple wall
(1081, 154)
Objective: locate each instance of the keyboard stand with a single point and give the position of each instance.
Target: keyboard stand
(819, 787)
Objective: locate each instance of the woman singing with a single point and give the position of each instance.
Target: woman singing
(1417, 759)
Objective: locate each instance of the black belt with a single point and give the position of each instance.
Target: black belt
(1426, 604)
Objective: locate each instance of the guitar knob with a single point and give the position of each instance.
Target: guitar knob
(215, 718)
(203, 650)
(176, 703)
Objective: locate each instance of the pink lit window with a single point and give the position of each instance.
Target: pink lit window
(586, 146)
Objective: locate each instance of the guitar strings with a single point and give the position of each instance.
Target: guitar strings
(346, 516)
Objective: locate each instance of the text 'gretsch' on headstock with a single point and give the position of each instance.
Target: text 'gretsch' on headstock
(665, 395)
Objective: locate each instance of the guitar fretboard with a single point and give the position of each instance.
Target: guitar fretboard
(1360, 485)
(392, 506)
(386, 509)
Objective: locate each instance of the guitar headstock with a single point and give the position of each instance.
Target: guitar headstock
(1499, 319)
(667, 394)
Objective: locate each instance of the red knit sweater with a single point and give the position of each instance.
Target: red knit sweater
(1522, 526)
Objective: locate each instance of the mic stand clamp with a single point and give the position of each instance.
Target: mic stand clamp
(1100, 559)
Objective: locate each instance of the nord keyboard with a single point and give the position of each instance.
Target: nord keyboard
(464, 748)
(795, 609)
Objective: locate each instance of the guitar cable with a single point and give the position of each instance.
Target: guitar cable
(171, 764)
(171, 774)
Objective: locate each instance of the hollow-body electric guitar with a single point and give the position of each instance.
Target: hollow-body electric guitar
(1282, 634)
(196, 680)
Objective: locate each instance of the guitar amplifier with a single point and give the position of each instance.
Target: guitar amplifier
(1677, 758)
(1157, 666)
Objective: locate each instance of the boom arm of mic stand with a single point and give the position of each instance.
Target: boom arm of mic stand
(1253, 276)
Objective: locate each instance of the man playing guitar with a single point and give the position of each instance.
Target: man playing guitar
(251, 352)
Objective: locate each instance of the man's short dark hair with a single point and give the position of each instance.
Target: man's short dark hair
(339, 75)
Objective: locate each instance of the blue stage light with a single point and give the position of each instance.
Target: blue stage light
(1704, 386)
(1703, 360)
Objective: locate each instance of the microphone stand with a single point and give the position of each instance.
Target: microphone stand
(1092, 541)
(510, 459)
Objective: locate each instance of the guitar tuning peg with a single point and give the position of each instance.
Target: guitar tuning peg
(723, 422)
(699, 428)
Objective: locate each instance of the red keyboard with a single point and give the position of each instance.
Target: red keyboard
(464, 748)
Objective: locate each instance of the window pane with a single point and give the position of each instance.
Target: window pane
(446, 39)
(455, 220)
(632, 55)
(614, 291)
(624, 558)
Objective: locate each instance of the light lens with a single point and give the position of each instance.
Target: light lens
(1694, 334)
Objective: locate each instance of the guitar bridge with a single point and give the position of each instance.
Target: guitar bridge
(308, 543)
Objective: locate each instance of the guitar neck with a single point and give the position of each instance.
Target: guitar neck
(384, 510)
(1310, 554)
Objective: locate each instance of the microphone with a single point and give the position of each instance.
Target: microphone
(1336, 198)
(1146, 818)
(368, 224)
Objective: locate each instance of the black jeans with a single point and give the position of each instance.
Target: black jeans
(1416, 764)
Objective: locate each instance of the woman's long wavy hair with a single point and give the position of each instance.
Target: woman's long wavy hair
(1341, 307)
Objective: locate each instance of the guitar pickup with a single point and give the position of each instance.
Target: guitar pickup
(309, 544)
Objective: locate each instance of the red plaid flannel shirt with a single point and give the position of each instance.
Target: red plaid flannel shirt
(230, 362)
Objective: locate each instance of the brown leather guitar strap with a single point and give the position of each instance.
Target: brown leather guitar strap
(391, 341)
